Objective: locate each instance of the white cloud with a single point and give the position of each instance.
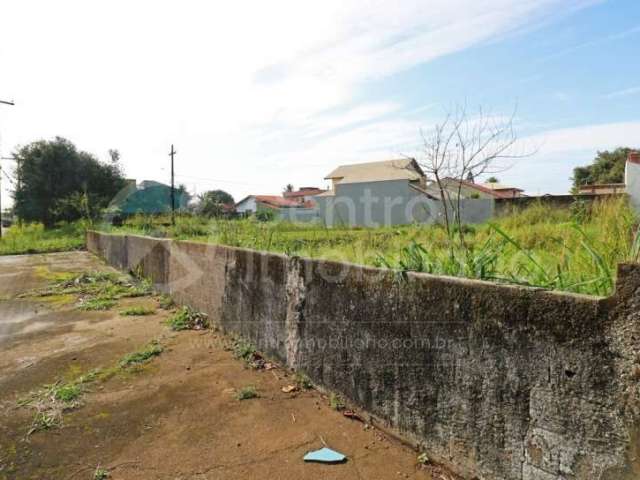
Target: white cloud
(624, 92)
(587, 138)
(234, 85)
(591, 43)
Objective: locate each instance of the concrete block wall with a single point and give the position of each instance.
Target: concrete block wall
(494, 381)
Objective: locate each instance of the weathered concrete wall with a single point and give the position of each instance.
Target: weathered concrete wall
(151, 257)
(506, 206)
(497, 382)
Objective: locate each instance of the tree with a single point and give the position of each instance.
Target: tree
(60, 183)
(114, 155)
(492, 180)
(607, 167)
(464, 146)
(211, 203)
(289, 188)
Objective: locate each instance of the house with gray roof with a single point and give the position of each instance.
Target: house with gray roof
(372, 194)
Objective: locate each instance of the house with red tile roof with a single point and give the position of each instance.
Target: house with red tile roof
(255, 203)
(468, 189)
(304, 194)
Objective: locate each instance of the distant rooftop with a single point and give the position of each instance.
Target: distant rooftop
(303, 192)
(499, 186)
(398, 169)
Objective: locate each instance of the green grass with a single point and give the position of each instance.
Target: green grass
(336, 402)
(166, 302)
(51, 401)
(137, 311)
(302, 381)
(100, 474)
(97, 304)
(99, 291)
(33, 238)
(569, 249)
(246, 393)
(151, 350)
(68, 393)
(187, 319)
(243, 349)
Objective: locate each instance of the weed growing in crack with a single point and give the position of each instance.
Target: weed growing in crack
(100, 473)
(97, 304)
(68, 393)
(246, 393)
(137, 311)
(423, 459)
(51, 401)
(153, 349)
(97, 290)
(336, 402)
(246, 351)
(45, 420)
(188, 319)
(243, 349)
(166, 302)
(302, 381)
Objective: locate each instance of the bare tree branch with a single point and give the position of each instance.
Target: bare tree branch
(463, 146)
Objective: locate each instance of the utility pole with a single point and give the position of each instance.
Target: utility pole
(173, 190)
(3, 173)
(5, 102)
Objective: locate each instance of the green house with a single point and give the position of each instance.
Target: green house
(148, 197)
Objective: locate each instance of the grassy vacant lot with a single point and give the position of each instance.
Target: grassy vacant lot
(573, 249)
(33, 238)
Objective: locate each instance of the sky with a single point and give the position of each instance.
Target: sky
(257, 95)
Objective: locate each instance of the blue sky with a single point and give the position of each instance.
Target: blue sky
(258, 95)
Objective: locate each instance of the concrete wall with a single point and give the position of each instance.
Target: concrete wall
(506, 206)
(497, 382)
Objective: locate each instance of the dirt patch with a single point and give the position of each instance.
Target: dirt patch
(174, 416)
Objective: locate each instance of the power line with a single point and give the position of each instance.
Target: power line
(11, 180)
(217, 180)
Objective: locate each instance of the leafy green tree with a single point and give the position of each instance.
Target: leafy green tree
(60, 183)
(492, 180)
(607, 167)
(213, 201)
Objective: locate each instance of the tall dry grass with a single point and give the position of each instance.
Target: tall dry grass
(574, 249)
